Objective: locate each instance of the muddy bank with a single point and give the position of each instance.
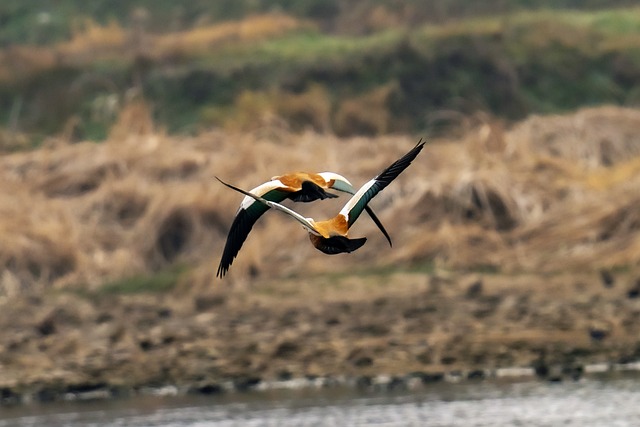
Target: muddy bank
(363, 329)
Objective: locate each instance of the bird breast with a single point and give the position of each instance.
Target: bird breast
(336, 226)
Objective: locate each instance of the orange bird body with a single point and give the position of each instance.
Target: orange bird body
(331, 236)
(296, 186)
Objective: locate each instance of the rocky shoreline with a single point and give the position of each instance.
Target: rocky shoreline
(403, 329)
(415, 381)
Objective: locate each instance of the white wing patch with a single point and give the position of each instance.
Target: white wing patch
(340, 183)
(356, 198)
(328, 176)
(261, 190)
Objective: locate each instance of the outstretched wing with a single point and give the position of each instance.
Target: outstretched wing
(271, 204)
(341, 183)
(358, 202)
(249, 212)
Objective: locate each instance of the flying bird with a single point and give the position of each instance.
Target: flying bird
(331, 236)
(299, 187)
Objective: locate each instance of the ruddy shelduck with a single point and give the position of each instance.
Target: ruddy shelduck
(297, 186)
(331, 236)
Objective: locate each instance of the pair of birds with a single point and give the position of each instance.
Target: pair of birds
(329, 236)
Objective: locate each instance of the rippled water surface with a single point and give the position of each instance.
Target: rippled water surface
(585, 403)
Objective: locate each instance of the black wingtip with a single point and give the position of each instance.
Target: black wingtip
(377, 221)
(240, 190)
(221, 272)
(240, 228)
(400, 165)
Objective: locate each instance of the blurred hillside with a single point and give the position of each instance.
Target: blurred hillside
(349, 68)
(43, 22)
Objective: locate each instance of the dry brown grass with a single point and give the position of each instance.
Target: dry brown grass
(366, 114)
(16, 62)
(91, 40)
(252, 110)
(551, 194)
(202, 39)
(310, 109)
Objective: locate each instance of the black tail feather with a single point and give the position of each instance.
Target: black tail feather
(353, 244)
(337, 244)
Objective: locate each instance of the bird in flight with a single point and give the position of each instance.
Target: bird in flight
(299, 187)
(331, 236)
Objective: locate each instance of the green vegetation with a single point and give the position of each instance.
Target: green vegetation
(160, 281)
(390, 80)
(45, 22)
(378, 271)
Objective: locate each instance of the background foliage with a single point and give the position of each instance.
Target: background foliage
(350, 68)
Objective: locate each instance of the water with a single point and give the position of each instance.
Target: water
(588, 403)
